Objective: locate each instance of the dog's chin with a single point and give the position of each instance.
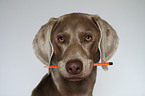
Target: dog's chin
(75, 79)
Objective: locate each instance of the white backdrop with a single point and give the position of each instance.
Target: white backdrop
(21, 71)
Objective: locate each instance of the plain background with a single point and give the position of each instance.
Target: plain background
(20, 20)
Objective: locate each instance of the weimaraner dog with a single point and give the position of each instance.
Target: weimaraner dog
(73, 42)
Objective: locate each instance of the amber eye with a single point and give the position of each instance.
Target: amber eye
(60, 39)
(88, 38)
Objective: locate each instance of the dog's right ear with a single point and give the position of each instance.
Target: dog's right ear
(42, 45)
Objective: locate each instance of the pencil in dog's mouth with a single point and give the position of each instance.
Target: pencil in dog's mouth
(95, 64)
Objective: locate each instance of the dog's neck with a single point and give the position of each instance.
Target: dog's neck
(74, 88)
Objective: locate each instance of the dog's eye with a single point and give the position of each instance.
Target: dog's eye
(88, 38)
(61, 39)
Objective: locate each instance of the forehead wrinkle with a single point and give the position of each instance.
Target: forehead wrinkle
(76, 27)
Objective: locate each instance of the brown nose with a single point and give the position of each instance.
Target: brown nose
(74, 67)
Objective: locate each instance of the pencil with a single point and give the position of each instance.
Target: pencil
(103, 64)
(95, 64)
(51, 66)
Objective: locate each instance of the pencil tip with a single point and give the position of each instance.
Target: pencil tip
(46, 66)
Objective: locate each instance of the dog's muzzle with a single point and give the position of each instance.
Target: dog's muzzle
(75, 69)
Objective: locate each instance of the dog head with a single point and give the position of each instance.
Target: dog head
(74, 42)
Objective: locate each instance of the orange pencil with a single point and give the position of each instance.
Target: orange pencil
(51, 66)
(95, 64)
(103, 64)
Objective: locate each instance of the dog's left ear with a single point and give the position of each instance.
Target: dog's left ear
(42, 45)
(109, 40)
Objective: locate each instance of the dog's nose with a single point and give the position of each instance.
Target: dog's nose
(74, 67)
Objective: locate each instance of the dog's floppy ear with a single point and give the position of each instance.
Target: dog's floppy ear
(41, 43)
(109, 40)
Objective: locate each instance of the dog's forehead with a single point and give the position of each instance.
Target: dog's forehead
(75, 22)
